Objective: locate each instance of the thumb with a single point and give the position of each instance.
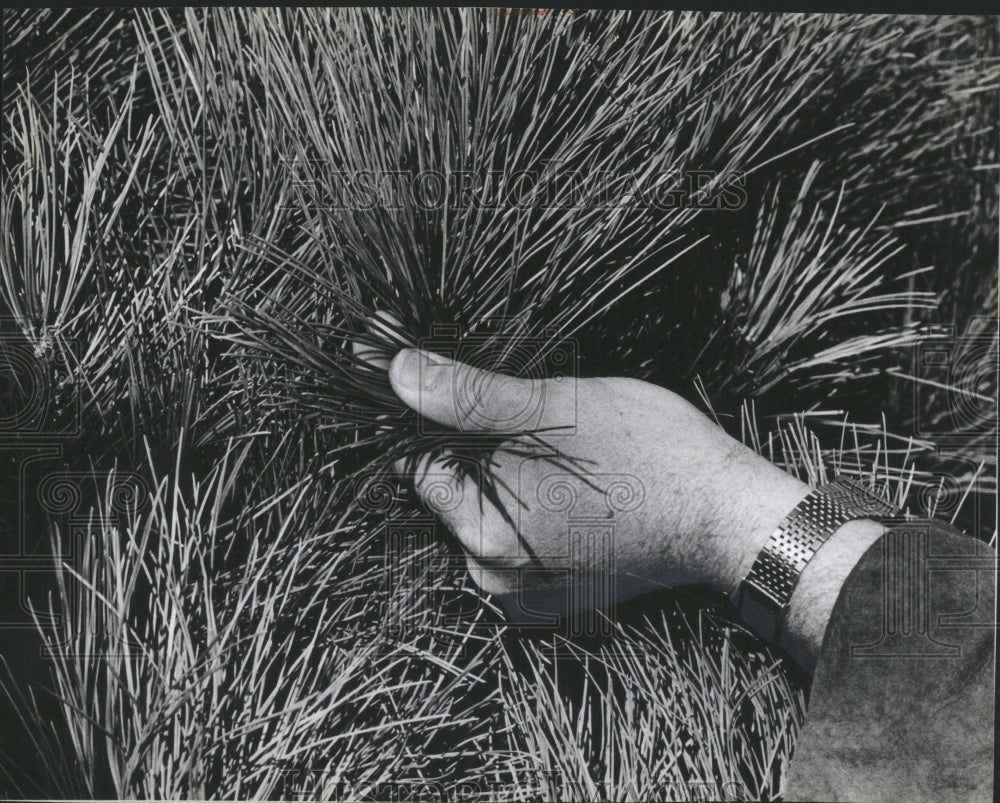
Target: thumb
(464, 397)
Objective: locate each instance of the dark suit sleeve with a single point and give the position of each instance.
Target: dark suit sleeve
(902, 700)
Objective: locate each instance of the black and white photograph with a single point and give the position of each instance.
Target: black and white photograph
(498, 405)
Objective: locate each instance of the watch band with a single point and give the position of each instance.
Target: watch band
(764, 594)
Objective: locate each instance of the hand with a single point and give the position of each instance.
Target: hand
(688, 503)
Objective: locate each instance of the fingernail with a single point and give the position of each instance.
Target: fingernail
(406, 369)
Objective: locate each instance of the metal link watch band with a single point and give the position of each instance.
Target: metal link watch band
(766, 591)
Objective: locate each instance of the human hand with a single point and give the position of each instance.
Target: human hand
(684, 502)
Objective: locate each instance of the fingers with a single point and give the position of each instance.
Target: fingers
(385, 326)
(455, 498)
(464, 397)
(455, 394)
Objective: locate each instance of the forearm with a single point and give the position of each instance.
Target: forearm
(901, 703)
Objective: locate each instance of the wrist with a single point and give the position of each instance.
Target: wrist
(819, 587)
(759, 502)
(808, 559)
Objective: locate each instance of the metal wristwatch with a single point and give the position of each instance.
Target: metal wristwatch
(763, 596)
